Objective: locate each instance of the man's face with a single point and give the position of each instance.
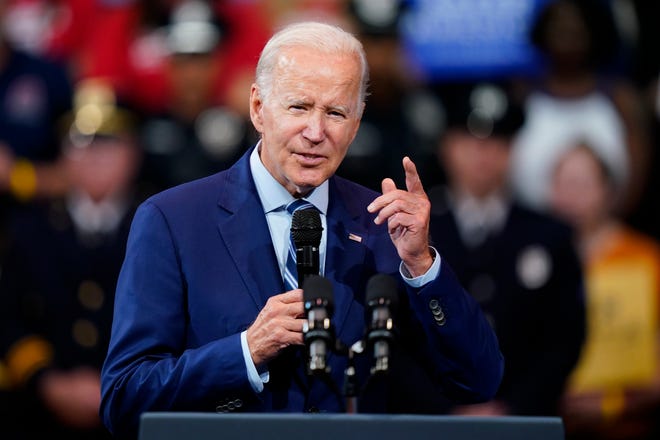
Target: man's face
(103, 170)
(191, 78)
(579, 191)
(310, 118)
(476, 166)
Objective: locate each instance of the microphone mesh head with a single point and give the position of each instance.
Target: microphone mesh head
(382, 287)
(306, 228)
(316, 287)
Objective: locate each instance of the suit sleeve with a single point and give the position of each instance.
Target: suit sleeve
(147, 367)
(458, 343)
(445, 332)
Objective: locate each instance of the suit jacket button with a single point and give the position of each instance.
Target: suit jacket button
(223, 406)
(434, 304)
(440, 320)
(238, 403)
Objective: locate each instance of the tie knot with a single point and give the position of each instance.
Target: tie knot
(298, 205)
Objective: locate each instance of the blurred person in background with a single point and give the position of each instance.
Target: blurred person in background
(58, 280)
(34, 94)
(520, 266)
(614, 393)
(650, 215)
(126, 43)
(195, 135)
(579, 95)
(647, 218)
(402, 116)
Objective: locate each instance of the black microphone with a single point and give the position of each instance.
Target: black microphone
(306, 231)
(318, 333)
(382, 301)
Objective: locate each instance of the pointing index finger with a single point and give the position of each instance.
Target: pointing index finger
(413, 182)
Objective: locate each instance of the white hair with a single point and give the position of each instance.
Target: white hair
(322, 37)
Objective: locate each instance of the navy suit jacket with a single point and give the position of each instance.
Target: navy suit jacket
(199, 267)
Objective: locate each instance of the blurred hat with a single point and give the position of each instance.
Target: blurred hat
(96, 113)
(377, 17)
(193, 28)
(483, 109)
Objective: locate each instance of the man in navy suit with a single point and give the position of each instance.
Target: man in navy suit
(203, 321)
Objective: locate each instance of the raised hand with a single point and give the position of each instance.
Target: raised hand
(408, 214)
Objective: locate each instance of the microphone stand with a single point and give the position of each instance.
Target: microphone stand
(350, 384)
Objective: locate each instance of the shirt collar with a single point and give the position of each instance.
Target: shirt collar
(273, 195)
(471, 213)
(95, 217)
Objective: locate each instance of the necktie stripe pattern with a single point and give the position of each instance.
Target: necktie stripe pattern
(291, 271)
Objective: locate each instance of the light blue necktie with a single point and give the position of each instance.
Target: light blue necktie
(291, 271)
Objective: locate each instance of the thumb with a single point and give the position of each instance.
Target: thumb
(388, 185)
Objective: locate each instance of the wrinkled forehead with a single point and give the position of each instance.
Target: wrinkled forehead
(335, 74)
(324, 62)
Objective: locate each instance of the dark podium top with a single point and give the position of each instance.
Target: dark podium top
(208, 426)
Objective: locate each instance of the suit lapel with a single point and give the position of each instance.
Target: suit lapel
(346, 250)
(244, 230)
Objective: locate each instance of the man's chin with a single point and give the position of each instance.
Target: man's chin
(304, 189)
(308, 180)
(305, 186)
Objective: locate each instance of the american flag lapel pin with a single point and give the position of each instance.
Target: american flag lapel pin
(354, 237)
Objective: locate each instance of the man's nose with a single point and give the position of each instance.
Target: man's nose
(315, 127)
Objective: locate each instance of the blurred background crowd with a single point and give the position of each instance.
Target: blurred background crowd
(534, 124)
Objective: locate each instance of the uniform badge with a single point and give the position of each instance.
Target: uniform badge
(534, 267)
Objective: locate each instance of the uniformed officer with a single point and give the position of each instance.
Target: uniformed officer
(402, 116)
(197, 134)
(58, 280)
(520, 265)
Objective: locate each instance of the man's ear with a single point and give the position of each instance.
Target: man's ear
(256, 107)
